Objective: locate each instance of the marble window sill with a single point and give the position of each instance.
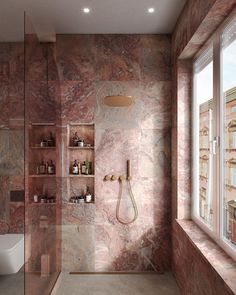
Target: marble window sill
(224, 265)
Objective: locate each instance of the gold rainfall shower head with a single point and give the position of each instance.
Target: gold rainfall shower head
(118, 100)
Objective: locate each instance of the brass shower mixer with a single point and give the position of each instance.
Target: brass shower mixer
(120, 177)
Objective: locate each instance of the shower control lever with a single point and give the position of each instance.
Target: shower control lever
(114, 177)
(122, 178)
(107, 178)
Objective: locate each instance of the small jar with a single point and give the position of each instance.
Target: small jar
(81, 199)
(88, 198)
(36, 198)
(72, 200)
(43, 143)
(80, 143)
(43, 200)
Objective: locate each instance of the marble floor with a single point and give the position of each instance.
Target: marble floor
(116, 284)
(12, 284)
(37, 285)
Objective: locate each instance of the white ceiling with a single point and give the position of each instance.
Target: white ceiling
(106, 17)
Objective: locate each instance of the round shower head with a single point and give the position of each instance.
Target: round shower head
(118, 101)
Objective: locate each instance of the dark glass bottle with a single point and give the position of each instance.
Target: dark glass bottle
(51, 140)
(75, 139)
(75, 168)
(42, 168)
(51, 168)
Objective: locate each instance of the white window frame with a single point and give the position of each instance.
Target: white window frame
(216, 231)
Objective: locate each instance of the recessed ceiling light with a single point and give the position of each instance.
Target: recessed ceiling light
(86, 10)
(151, 10)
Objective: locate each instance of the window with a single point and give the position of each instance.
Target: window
(203, 82)
(228, 148)
(214, 137)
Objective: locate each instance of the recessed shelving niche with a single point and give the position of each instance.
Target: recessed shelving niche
(83, 135)
(42, 143)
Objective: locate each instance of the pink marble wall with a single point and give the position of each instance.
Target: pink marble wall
(11, 135)
(91, 67)
(198, 21)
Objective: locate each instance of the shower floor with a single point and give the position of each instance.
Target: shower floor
(116, 284)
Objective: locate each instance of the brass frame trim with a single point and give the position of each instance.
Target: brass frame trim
(113, 273)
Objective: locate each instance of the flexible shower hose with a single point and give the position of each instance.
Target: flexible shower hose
(133, 203)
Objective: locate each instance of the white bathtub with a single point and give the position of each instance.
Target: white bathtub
(11, 253)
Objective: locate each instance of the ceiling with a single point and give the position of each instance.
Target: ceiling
(105, 17)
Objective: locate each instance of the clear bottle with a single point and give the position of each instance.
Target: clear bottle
(88, 196)
(87, 168)
(83, 168)
(79, 167)
(75, 168)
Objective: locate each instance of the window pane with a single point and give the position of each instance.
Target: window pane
(229, 134)
(203, 132)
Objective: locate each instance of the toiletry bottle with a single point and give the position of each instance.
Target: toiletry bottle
(75, 168)
(90, 167)
(43, 142)
(51, 168)
(75, 139)
(83, 168)
(42, 168)
(36, 198)
(51, 141)
(88, 196)
(38, 169)
(87, 168)
(79, 167)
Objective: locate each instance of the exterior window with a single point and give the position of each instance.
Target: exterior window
(228, 149)
(203, 94)
(214, 137)
(233, 109)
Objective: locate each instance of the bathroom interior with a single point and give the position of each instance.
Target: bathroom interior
(118, 147)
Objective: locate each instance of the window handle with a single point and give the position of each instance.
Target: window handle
(215, 144)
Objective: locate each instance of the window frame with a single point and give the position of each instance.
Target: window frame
(216, 231)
